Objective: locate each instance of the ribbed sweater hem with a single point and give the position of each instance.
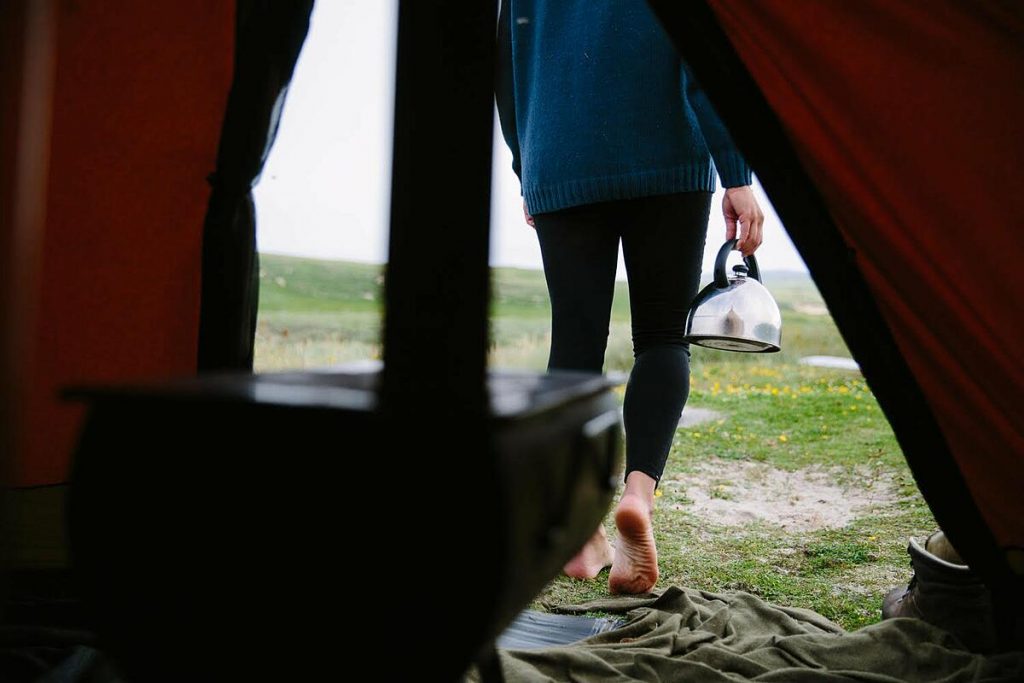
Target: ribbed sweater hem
(553, 197)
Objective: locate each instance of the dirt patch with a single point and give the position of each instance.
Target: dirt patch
(736, 493)
(836, 362)
(811, 309)
(692, 417)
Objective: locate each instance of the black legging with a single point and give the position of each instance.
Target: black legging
(663, 244)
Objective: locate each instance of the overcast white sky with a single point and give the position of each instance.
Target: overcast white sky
(325, 190)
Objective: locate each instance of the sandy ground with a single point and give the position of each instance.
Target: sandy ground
(695, 416)
(736, 492)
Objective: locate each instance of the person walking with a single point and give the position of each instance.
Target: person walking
(612, 140)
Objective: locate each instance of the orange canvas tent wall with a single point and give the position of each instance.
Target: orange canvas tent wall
(107, 279)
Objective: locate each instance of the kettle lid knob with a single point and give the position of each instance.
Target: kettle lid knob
(740, 270)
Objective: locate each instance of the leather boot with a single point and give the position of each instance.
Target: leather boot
(944, 592)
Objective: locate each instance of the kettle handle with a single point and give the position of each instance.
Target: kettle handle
(721, 279)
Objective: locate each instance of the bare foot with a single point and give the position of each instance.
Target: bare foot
(635, 569)
(595, 556)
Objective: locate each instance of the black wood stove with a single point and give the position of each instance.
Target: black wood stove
(233, 523)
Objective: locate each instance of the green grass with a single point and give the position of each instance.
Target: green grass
(776, 411)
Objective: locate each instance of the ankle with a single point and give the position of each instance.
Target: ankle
(641, 486)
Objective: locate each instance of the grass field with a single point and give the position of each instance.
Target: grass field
(786, 432)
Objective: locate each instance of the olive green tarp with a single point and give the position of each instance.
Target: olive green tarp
(693, 636)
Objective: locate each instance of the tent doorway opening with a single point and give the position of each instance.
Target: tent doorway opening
(785, 479)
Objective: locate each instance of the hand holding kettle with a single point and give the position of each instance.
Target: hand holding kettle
(740, 206)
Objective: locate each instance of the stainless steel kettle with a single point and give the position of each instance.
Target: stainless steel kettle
(735, 313)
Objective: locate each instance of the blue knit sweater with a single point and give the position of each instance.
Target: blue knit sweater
(596, 105)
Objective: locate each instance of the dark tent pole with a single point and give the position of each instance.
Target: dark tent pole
(268, 37)
(437, 282)
(760, 135)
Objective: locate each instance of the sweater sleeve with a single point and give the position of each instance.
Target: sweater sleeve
(504, 85)
(731, 165)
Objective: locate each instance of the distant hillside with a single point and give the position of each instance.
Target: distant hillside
(294, 284)
(290, 283)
